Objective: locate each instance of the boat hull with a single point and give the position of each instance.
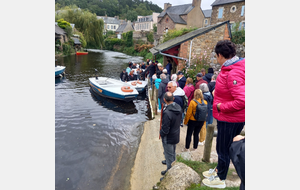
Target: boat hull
(59, 70)
(111, 90)
(82, 53)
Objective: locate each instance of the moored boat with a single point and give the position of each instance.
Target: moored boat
(59, 70)
(81, 53)
(139, 85)
(112, 88)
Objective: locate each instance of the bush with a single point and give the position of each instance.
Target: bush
(128, 38)
(129, 50)
(66, 49)
(62, 23)
(110, 42)
(238, 36)
(175, 33)
(150, 37)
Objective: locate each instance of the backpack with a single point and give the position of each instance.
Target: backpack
(201, 111)
(185, 102)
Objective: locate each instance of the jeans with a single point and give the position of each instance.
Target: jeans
(169, 152)
(193, 127)
(209, 119)
(226, 132)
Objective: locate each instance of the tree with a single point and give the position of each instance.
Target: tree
(62, 23)
(131, 15)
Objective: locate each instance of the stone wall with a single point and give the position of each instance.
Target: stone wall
(227, 14)
(203, 45)
(165, 22)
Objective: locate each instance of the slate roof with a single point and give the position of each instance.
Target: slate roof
(109, 20)
(76, 40)
(207, 13)
(175, 11)
(181, 39)
(121, 27)
(222, 2)
(59, 30)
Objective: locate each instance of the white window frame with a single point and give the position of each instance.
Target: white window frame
(232, 11)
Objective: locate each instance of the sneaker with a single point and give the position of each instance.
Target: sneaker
(185, 150)
(163, 172)
(210, 172)
(181, 125)
(164, 162)
(214, 182)
(201, 143)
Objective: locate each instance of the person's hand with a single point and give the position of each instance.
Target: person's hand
(238, 138)
(218, 106)
(213, 92)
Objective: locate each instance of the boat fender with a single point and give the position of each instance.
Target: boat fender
(126, 89)
(133, 83)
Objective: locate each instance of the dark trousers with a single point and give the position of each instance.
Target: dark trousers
(226, 132)
(194, 127)
(237, 156)
(169, 152)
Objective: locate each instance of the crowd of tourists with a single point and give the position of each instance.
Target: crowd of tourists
(215, 94)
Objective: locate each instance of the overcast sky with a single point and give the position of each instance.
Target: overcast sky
(205, 4)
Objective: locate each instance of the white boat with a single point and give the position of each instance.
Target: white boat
(112, 88)
(139, 85)
(59, 70)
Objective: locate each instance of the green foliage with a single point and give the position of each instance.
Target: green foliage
(197, 63)
(62, 23)
(129, 51)
(81, 38)
(110, 42)
(150, 37)
(154, 28)
(175, 33)
(128, 38)
(66, 48)
(68, 30)
(238, 36)
(122, 8)
(87, 23)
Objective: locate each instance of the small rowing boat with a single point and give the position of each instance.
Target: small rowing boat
(81, 53)
(59, 70)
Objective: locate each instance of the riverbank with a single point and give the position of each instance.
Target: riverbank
(147, 166)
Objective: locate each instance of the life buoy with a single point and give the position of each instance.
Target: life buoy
(133, 83)
(126, 89)
(139, 82)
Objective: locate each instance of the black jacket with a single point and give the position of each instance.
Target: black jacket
(124, 76)
(170, 125)
(162, 89)
(211, 85)
(182, 82)
(207, 77)
(151, 69)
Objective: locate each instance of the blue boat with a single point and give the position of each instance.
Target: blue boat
(139, 85)
(112, 88)
(59, 70)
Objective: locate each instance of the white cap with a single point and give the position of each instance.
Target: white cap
(159, 65)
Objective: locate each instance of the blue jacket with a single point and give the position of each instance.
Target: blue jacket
(182, 82)
(157, 82)
(169, 68)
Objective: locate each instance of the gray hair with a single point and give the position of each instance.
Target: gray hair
(163, 76)
(214, 77)
(204, 88)
(174, 77)
(168, 97)
(173, 83)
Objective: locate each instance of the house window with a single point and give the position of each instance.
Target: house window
(233, 9)
(242, 25)
(114, 26)
(107, 26)
(243, 10)
(220, 15)
(205, 21)
(167, 19)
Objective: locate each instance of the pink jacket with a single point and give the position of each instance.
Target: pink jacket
(230, 92)
(189, 92)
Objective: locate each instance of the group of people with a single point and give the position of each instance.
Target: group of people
(140, 72)
(224, 94)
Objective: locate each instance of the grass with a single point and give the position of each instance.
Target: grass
(200, 167)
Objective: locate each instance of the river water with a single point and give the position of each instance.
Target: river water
(96, 138)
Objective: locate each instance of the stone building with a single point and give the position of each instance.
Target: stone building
(196, 43)
(60, 35)
(110, 23)
(123, 28)
(180, 16)
(207, 16)
(232, 10)
(145, 23)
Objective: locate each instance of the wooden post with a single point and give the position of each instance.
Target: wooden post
(155, 100)
(152, 93)
(208, 142)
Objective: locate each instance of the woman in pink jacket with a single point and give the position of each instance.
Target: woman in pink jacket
(228, 108)
(189, 89)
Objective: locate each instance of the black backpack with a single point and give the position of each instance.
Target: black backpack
(185, 102)
(201, 111)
